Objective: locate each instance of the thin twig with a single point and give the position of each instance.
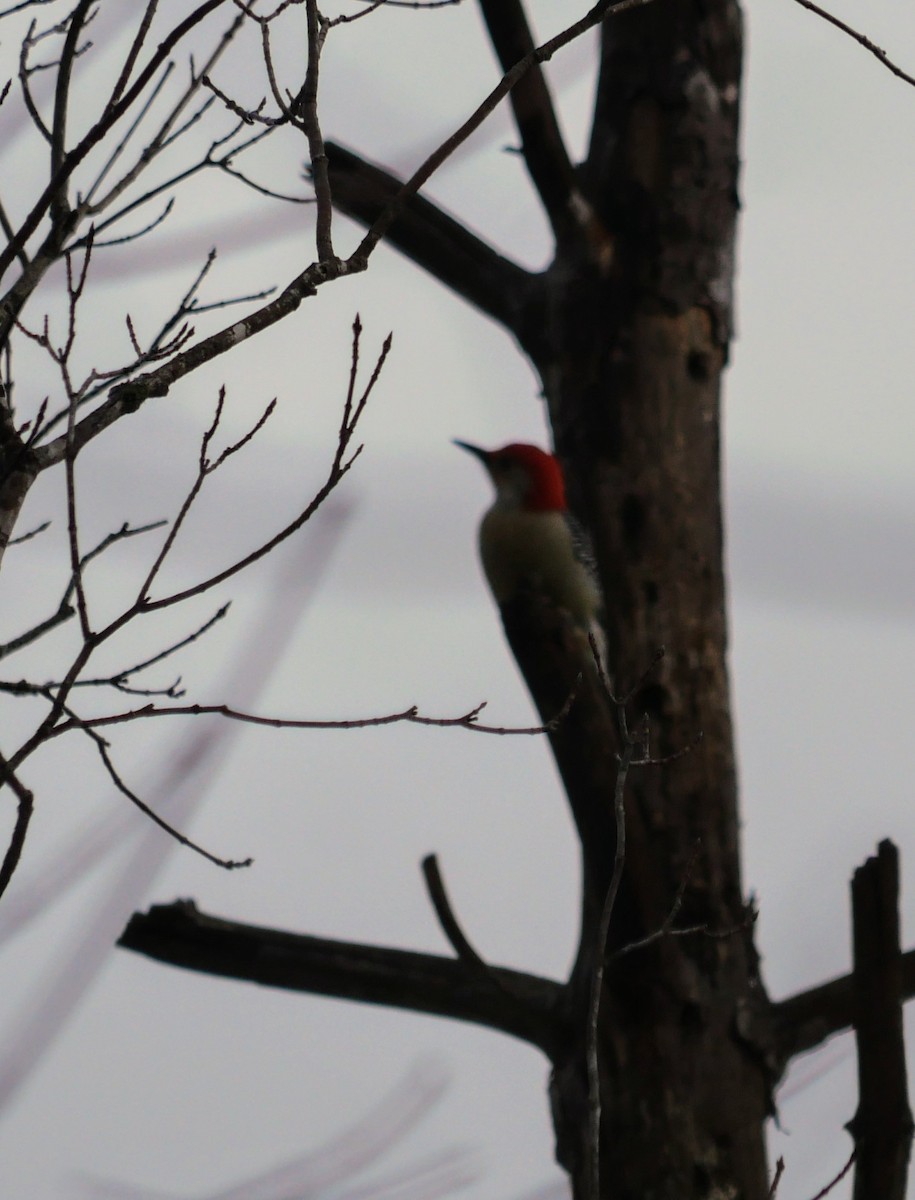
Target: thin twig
(88, 207)
(127, 397)
(860, 38)
(27, 537)
(98, 131)
(205, 468)
(101, 745)
(629, 743)
(25, 807)
(666, 927)
(451, 928)
(64, 612)
(74, 293)
(80, 17)
(308, 111)
(121, 676)
(168, 131)
(23, 5)
(118, 679)
(627, 754)
(25, 71)
(162, 345)
(838, 1179)
(777, 1177)
(126, 238)
(341, 465)
(135, 48)
(410, 716)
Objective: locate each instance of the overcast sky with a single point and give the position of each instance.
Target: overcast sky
(170, 1081)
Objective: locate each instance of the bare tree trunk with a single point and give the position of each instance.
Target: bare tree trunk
(631, 353)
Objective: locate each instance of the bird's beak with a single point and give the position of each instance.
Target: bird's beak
(476, 451)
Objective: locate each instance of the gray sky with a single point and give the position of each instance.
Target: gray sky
(187, 1084)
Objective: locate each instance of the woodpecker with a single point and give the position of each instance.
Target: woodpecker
(528, 537)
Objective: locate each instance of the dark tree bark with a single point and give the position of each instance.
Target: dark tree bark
(631, 359)
(882, 1126)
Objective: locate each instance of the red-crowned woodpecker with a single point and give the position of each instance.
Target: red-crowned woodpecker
(528, 538)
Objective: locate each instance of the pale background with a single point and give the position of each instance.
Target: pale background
(167, 1080)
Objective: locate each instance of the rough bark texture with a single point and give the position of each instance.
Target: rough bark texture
(882, 1126)
(631, 358)
(523, 1006)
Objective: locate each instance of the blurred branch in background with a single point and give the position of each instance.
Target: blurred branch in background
(335, 1170)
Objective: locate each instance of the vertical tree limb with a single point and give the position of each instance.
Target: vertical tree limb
(882, 1127)
(542, 145)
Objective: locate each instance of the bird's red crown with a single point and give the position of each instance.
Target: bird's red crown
(547, 491)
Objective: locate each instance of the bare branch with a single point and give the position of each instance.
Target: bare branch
(823, 1192)
(129, 396)
(87, 206)
(167, 341)
(541, 54)
(135, 48)
(169, 131)
(25, 801)
(307, 108)
(776, 1178)
(629, 746)
(205, 468)
(542, 144)
(352, 411)
(5, 223)
(25, 72)
(225, 165)
(409, 716)
(809, 1018)
(78, 19)
(441, 245)
(93, 136)
(118, 679)
(860, 38)
(27, 537)
(527, 1007)
(22, 6)
(666, 929)
(102, 747)
(126, 238)
(435, 886)
(64, 612)
(65, 609)
(374, 5)
(74, 292)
